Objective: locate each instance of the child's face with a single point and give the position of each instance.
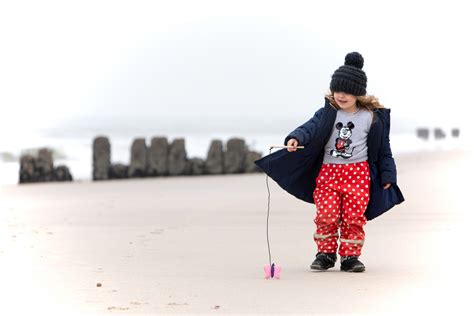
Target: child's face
(345, 101)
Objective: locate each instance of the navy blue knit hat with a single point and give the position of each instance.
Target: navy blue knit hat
(350, 78)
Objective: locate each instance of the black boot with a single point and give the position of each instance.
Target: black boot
(324, 261)
(352, 264)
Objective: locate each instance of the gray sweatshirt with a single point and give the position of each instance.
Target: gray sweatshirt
(348, 142)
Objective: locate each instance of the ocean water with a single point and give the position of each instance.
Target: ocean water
(75, 145)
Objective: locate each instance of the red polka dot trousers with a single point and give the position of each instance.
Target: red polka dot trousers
(341, 198)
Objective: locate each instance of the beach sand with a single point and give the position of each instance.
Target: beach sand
(198, 245)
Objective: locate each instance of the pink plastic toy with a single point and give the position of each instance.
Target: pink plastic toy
(272, 271)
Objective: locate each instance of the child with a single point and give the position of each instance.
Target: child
(346, 167)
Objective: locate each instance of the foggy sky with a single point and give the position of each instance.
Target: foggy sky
(208, 61)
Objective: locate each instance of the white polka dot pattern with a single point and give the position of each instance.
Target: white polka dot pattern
(341, 204)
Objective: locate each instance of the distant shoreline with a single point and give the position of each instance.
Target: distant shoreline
(400, 159)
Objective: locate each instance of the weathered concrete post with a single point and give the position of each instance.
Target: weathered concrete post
(138, 159)
(234, 156)
(422, 133)
(45, 165)
(215, 158)
(157, 159)
(250, 165)
(177, 158)
(101, 158)
(27, 169)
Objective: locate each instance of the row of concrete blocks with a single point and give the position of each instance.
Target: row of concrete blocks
(438, 133)
(164, 159)
(40, 168)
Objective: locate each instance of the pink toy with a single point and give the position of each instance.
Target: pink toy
(272, 271)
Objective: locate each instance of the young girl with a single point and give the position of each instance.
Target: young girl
(346, 167)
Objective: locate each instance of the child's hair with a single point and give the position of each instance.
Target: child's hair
(368, 102)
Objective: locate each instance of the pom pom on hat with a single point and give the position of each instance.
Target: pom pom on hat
(354, 59)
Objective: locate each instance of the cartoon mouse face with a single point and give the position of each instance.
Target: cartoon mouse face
(345, 132)
(343, 142)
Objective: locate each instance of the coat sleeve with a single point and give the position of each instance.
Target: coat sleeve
(388, 168)
(306, 132)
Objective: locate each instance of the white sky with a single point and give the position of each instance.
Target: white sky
(260, 59)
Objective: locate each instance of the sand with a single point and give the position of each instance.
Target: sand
(198, 245)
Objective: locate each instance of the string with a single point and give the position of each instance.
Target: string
(268, 212)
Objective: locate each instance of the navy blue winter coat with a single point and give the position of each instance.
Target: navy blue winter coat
(296, 171)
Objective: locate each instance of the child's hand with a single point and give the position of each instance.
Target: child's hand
(387, 185)
(292, 142)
